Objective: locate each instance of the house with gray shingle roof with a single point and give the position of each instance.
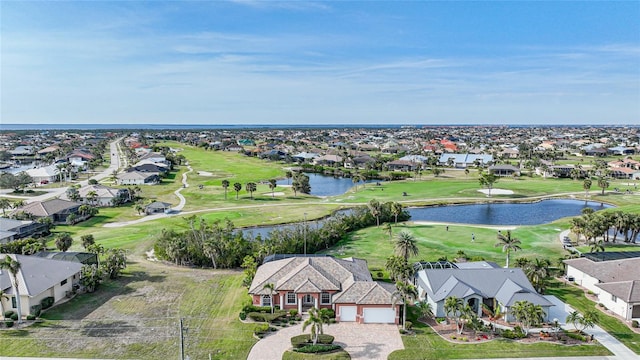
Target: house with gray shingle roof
(344, 285)
(616, 283)
(493, 287)
(38, 278)
(56, 209)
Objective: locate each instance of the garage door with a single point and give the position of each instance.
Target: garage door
(347, 313)
(379, 315)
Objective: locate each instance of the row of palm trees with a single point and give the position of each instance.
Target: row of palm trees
(606, 226)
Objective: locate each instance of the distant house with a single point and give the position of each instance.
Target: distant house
(105, 195)
(504, 170)
(56, 209)
(138, 178)
(466, 160)
(157, 207)
(44, 175)
(23, 150)
(328, 160)
(621, 150)
(418, 159)
(11, 229)
(402, 165)
(38, 279)
(344, 285)
(492, 286)
(80, 157)
(158, 168)
(305, 157)
(615, 282)
(624, 173)
(154, 157)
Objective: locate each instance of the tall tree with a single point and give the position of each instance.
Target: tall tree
(603, 183)
(396, 210)
(4, 204)
(87, 240)
(406, 245)
(225, 186)
(586, 185)
(271, 288)
(405, 293)
(453, 309)
(488, 180)
(508, 244)
(317, 318)
(375, 209)
(63, 241)
(272, 186)
(13, 267)
(388, 229)
(289, 175)
(251, 187)
(237, 187)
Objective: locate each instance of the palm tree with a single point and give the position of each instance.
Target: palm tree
(494, 315)
(487, 180)
(603, 183)
(574, 318)
(316, 319)
(13, 266)
(251, 187)
(406, 293)
(406, 245)
(63, 241)
(452, 307)
(92, 196)
(4, 204)
(237, 187)
(597, 246)
(398, 268)
(527, 314)
(508, 243)
(426, 310)
(272, 186)
(225, 186)
(374, 208)
(389, 230)
(271, 289)
(586, 185)
(537, 271)
(396, 210)
(289, 175)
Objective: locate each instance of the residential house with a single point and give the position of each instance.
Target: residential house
(305, 157)
(84, 258)
(402, 165)
(156, 207)
(56, 209)
(80, 157)
(38, 279)
(344, 285)
(328, 160)
(105, 195)
(138, 178)
(504, 170)
(477, 284)
(621, 150)
(154, 157)
(466, 160)
(615, 282)
(11, 229)
(23, 150)
(44, 175)
(158, 168)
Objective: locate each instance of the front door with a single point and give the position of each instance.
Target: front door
(307, 300)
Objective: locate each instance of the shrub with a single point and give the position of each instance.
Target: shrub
(14, 317)
(453, 337)
(293, 312)
(516, 333)
(7, 314)
(266, 317)
(260, 329)
(47, 302)
(319, 348)
(8, 323)
(380, 274)
(36, 310)
(635, 324)
(305, 339)
(243, 315)
(252, 308)
(31, 317)
(576, 336)
(331, 313)
(590, 292)
(408, 325)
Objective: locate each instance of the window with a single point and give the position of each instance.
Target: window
(325, 298)
(13, 303)
(266, 300)
(614, 298)
(63, 282)
(291, 298)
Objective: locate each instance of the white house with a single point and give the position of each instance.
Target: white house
(38, 279)
(45, 174)
(137, 178)
(616, 282)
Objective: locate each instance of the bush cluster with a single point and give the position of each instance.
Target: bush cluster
(635, 324)
(47, 302)
(243, 315)
(267, 317)
(516, 333)
(14, 317)
(31, 317)
(260, 329)
(7, 314)
(36, 310)
(318, 348)
(305, 339)
(8, 323)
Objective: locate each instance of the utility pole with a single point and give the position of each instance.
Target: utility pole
(181, 340)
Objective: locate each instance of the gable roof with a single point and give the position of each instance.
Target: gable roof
(628, 291)
(366, 292)
(37, 274)
(505, 285)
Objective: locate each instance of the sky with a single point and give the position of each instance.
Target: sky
(334, 62)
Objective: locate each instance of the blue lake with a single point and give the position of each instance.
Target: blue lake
(324, 185)
(541, 212)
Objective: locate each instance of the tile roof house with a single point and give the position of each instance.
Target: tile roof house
(138, 178)
(56, 209)
(494, 287)
(344, 285)
(616, 283)
(15, 229)
(106, 196)
(38, 278)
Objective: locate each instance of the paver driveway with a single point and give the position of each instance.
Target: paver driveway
(362, 341)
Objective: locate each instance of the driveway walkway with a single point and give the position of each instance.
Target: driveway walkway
(361, 341)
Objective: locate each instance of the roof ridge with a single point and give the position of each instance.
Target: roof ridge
(368, 292)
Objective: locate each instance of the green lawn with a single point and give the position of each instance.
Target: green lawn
(426, 344)
(574, 296)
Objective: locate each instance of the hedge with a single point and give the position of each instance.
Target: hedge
(8, 323)
(320, 348)
(47, 302)
(305, 339)
(7, 314)
(36, 310)
(266, 317)
(252, 308)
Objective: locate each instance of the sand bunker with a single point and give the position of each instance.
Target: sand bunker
(277, 193)
(205, 173)
(496, 192)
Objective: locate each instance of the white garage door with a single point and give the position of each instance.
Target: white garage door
(347, 313)
(379, 315)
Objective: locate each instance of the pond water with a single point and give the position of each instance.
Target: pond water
(325, 185)
(541, 212)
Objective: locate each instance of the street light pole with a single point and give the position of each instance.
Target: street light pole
(305, 234)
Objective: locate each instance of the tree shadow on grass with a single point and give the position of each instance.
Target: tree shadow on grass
(106, 328)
